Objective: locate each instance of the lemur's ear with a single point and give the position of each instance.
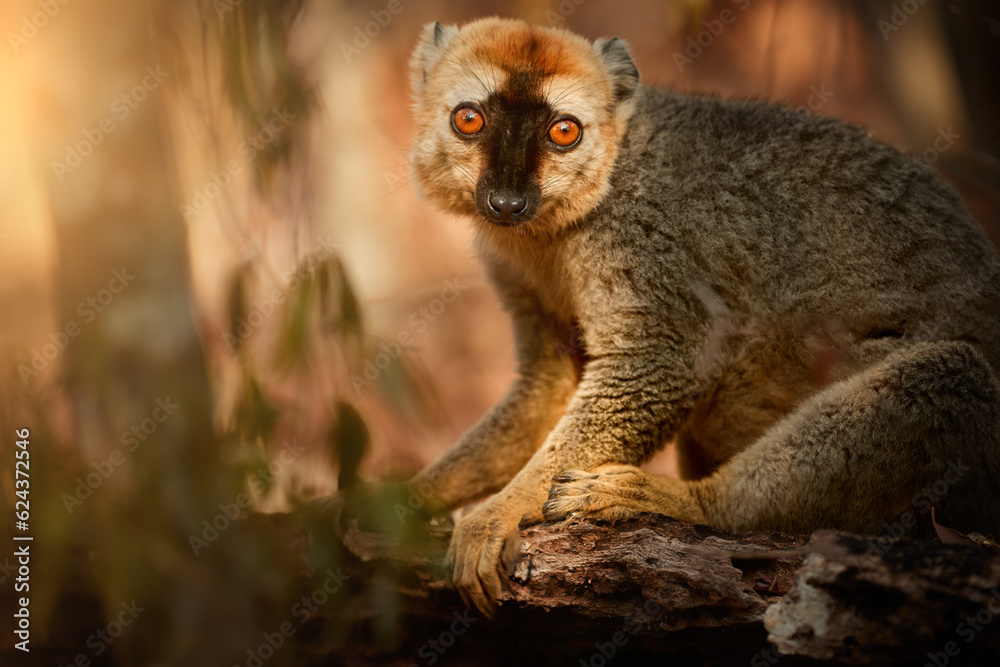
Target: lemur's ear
(435, 40)
(618, 66)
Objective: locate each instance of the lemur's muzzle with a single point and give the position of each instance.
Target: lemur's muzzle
(506, 207)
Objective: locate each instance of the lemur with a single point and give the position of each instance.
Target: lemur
(810, 315)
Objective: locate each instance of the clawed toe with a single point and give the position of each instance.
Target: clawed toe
(611, 492)
(572, 476)
(557, 509)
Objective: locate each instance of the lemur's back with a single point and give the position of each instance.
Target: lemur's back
(784, 213)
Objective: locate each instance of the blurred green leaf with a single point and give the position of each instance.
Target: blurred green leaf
(255, 417)
(349, 440)
(405, 388)
(350, 310)
(239, 287)
(293, 345)
(259, 76)
(340, 310)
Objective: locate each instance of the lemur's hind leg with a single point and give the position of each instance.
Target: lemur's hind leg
(919, 429)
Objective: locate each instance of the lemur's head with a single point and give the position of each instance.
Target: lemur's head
(518, 125)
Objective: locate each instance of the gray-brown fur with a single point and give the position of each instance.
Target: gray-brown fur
(812, 316)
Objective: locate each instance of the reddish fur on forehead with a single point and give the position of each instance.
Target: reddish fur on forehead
(514, 44)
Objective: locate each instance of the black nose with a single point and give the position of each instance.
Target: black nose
(506, 207)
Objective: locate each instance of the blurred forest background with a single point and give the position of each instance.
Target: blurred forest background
(216, 277)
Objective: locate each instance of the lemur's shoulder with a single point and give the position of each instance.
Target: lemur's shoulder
(722, 142)
(715, 121)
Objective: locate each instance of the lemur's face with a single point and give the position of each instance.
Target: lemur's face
(517, 125)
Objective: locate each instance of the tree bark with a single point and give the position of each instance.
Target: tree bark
(917, 601)
(651, 587)
(637, 592)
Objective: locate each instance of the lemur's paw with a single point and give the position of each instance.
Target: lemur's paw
(477, 554)
(610, 492)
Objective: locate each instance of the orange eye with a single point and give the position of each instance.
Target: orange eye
(565, 133)
(467, 121)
